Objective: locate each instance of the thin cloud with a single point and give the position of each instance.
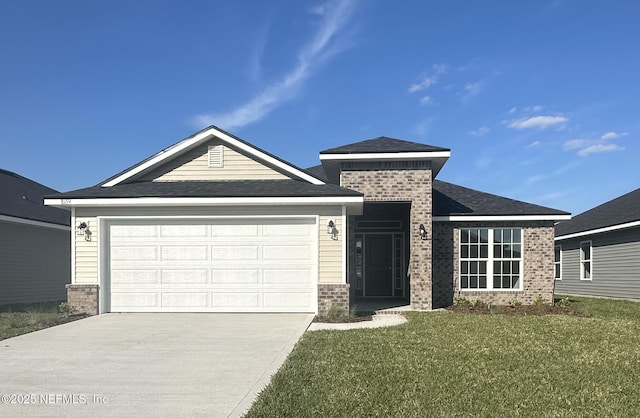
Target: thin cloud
(612, 135)
(429, 80)
(471, 90)
(426, 100)
(534, 144)
(597, 148)
(537, 122)
(481, 131)
(324, 44)
(586, 147)
(534, 179)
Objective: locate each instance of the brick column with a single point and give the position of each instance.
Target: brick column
(83, 297)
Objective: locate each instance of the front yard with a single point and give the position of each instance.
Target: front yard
(21, 319)
(460, 364)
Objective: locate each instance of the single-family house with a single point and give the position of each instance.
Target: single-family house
(35, 244)
(597, 253)
(215, 224)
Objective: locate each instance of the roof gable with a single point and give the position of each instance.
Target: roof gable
(199, 138)
(621, 210)
(23, 198)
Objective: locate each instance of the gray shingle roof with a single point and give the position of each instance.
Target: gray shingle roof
(451, 199)
(621, 210)
(23, 198)
(224, 188)
(383, 144)
(318, 172)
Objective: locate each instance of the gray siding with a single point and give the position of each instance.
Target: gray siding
(34, 263)
(615, 265)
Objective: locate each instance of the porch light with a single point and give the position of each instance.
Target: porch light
(331, 229)
(423, 232)
(83, 229)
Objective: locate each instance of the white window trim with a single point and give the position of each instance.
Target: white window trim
(215, 148)
(590, 260)
(558, 262)
(490, 261)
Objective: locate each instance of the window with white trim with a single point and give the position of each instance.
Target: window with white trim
(585, 260)
(490, 259)
(557, 262)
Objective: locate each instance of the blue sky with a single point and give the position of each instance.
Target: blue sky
(538, 100)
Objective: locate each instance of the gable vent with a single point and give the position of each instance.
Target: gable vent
(216, 156)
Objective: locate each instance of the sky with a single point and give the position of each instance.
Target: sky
(538, 100)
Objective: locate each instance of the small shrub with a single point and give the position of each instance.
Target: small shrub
(539, 301)
(514, 303)
(479, 304)
(66, 309)
(564, 302)
(353, 311)
(335, 312)
(461, 301)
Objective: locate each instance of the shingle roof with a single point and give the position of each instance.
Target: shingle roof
(621, 210)
(23, 198)
(383, 144)
(450, 199)
(223, 188)
(317, 171)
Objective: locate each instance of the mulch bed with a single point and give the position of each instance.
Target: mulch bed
(519, 310)
(342, 319)
(70, 318)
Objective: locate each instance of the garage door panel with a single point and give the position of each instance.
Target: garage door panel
(138, 276)
(246, 265)
(185, 299)
(235, 277)
(238, 300)
(298, 277)
(185, 277)
(235, 252)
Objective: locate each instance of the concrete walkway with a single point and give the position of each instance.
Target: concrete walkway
(146, 365)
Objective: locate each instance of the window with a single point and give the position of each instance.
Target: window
(490, 259)
(216, 156)
(585, 260)
(557, 261)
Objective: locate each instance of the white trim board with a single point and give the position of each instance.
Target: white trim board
(30, 222)
(387, 156)
(204, 201)
(598, 230)
(201, 137)
(482, 218)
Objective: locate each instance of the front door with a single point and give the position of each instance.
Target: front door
(378, 265)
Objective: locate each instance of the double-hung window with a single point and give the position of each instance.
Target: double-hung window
(490, 259)
(557, 262)
(585, 260)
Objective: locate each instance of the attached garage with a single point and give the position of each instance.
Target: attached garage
(220, 265)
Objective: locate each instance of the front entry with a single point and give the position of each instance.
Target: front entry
(380, 265)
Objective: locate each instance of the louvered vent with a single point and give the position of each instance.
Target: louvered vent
(216, 156)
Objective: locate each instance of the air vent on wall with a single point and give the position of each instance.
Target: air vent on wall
(216, 156)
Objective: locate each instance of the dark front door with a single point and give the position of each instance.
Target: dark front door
(378, 277)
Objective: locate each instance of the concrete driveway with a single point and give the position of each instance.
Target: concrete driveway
(146, 365)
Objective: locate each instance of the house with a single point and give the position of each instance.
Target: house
(35, 245)
(597, 253)
(214, 223)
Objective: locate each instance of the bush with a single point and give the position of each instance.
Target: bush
(335, 312)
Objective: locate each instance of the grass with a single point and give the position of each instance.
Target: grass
(448, 364)
(21, 319)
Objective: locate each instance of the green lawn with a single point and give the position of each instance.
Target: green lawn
(459, 364)
(21, 319)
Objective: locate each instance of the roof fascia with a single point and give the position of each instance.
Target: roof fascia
(491, 218)
(31, 222)
(202, 137)
(598, 230)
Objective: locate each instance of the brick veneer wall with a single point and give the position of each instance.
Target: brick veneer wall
(537, 264)
(402, 185)
(333, 295)
(83, 297)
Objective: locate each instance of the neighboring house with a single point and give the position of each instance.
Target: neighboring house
(213, 223)
(35, 245)
(598, 252)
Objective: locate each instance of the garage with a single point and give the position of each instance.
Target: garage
(221, 265)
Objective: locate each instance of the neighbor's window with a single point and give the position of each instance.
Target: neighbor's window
(585, 260)
(490, 259)
(557, 260)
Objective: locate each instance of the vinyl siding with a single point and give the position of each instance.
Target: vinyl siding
(194, 165)
(615, 265)
(330, 251)
(86, 252)
(35, 263)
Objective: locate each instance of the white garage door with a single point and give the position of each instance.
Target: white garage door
(219, 266)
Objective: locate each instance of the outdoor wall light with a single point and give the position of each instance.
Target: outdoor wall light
(83, 229)
(423, 232)
(331, 229)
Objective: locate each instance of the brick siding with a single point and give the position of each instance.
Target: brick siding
(83, 297)
(333, 295)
